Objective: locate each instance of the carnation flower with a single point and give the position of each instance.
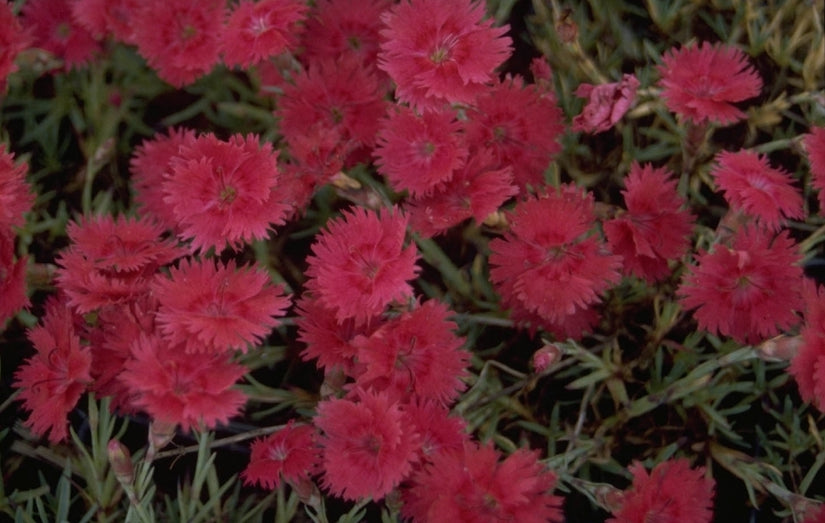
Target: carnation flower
(290, 454)
(224, 192)
(471, 484)
(175, 387)
(414, 354)
(52, 381)
(368, 448)
(103, 17)
(750, 184)
(656, 227)
(359, 264)
(111, 260)
(212, 308)
(16, 198)
(520, 124)
(549, 265)
(749, 290)
(53, 28)
(808, 365)
(815, 148)
(440, 52)
(701, 83)
(12, 278)
(672, 491)
(180, 39)
(439, 431)
(419, 153)
(12, 40)
(254, 31)
(606, 104)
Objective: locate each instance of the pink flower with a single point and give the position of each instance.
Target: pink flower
(290, 454)
(606, 104)
(656, 227)
(702, 83)
(12, 278)
(439, 430)
(52, 381)
(471, 484)
(808, 365)
(224, 192)
(359, 264)
(672, 491)
(53, 28)
(12, 40)
(368, 448)
(749, 290)
(16, 197)
(179, 38)
(815, 148)
(440, 52)
(104, 17)
(175, 387)
(419, 153)
(751, 185)
(212, 308)
(549, 264)
(255, 31)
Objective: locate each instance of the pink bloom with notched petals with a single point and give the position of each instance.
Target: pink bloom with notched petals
(12, 278)
(16, 197)
(106, 17)
(12, 40)
(808, 364)
(606, 104)
(701, 83)
(440, 52)
(53, 28)
(254, 31)
(290, 454)
(814, 143)
(751, 185)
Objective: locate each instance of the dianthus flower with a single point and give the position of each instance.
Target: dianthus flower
(815, 514)
(606, 104)
(52, 381)
(416, 354)
(111, 260)
(815, 148)
(751, 185)
(475, 190)
(549, 265)
(359, 264)
(418, 153)
(656, 227)
(440, 52)
(224, 192)
(106, 17)
(472, 485)
(215, 308)
(254, 31)
(53, 28)
(149, 167)
(749, 290)
(521, 125)
(12, 278)
(291, 455)
(179, 39)
(16, 198)
(671, 492)
(701, 83)
(12, 40)
(368, 448)
(175, 387)
(808, 365)
(439, 431)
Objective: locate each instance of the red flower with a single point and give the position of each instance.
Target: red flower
(549, 265)
(257, 30)
(53, 380)
(751, 185)
(748, 291)
(521, 125)
(808, 365)
(359, 264)
(12, 40)
(367, 445)
(103, 17)
(606, 104)
(53, 28)
(414, 354)
(419, 153)
(12, 278)
(672, 491)
(16, 198)
(438, 430)
(211, 308)
(701, 83)
(111, 260)
(224, 192)
(440, 52)
(290, 454)
(656, 227)
(815, 148)
(471, 484)
(179, 38)
(175, 387)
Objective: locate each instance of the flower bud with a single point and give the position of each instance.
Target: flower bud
(121, 462)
